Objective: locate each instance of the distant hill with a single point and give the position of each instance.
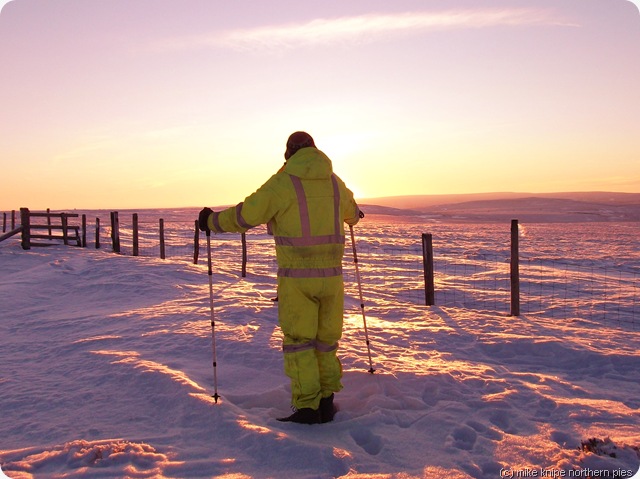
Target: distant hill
(526, 207)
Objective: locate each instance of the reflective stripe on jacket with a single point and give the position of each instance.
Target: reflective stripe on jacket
(306, 206)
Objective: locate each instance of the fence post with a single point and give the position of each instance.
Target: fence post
(65, 227)
(4, 222)
(136, 250)
(515, 270)
(244, 255)
(196, 244)
(13, 220)
(162, 252)
(111, 219)
(49, 225)
(115, 232)
(26, 228)
(97, 233)
(427, 260)
(84, 231)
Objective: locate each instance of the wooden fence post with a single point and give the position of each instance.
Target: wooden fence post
(4, 222)
(115, 232)
(196, 244)
(162, 251)
(136, 250)
(65, 227)
(515, 270)
(84, 231)
(244, 255)
(13, 220)
(427, 259)
(97, 233)
(112, 221)
(49, 225)
(26, 228)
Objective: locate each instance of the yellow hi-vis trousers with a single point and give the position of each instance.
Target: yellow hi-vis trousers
(310, 312)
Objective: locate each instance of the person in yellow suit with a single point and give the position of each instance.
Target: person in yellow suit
(305, 205)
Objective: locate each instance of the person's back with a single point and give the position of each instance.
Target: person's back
(305, 205)
(308, 227)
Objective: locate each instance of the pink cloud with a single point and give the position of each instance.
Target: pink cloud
(364, 28)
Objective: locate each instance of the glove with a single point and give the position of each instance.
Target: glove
(203, 219)
(361, 214)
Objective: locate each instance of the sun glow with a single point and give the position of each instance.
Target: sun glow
(404, 99)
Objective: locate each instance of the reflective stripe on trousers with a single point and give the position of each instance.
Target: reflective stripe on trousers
(317, 345)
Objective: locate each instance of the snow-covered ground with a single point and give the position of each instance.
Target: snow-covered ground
(106, 371)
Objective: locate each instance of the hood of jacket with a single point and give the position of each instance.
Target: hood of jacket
(309, 164)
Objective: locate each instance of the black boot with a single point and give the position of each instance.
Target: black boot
(327, 409)
(304, 415)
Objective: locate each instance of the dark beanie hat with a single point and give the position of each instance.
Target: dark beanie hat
(297, 140)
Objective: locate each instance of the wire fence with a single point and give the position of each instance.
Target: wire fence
(551, 288)
(471, 265)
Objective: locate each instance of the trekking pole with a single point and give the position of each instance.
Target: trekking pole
(364, 318)
(213, 320)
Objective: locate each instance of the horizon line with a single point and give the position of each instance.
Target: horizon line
(359, 199)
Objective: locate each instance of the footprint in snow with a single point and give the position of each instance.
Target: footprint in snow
(464, 438)
(500, 419)
(371, 443)
(486, 432)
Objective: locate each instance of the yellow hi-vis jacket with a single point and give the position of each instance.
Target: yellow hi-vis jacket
(306, 206)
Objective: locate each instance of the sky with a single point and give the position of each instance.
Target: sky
(158, 103)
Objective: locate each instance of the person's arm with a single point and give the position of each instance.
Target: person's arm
(258, 208)
(350, 210)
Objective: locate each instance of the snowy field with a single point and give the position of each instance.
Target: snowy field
(106, 360)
